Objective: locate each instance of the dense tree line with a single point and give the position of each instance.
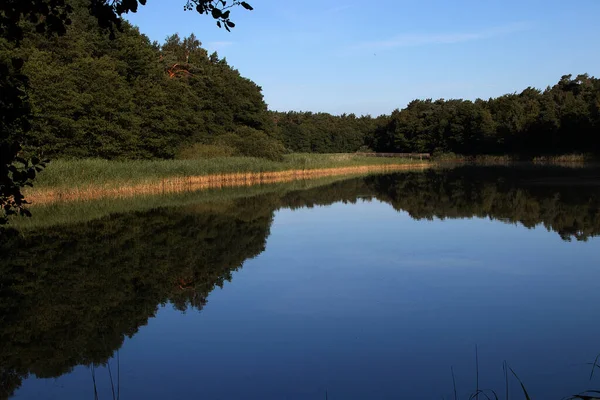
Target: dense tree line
(126, 97)
(52, 17)
(564, 118)
(129, 98)
(308, 132)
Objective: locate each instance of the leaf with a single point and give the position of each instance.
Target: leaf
(230, 24)
(247, 6)
(219, 24)
(216, 13)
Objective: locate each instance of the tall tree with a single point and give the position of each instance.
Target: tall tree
(52, 17)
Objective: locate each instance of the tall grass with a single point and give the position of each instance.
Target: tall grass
(62, 213)
(110, 173)
(490, 394)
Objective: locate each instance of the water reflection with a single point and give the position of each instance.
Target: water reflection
(71, 294)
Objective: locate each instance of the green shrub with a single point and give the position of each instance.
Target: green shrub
(365, 149)
(440, 155)
(202, 151)
(250, 142)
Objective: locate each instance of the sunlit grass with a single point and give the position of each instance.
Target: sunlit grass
(76, 173)
(62, 213)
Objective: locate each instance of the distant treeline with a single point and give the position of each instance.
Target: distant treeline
(130, 98)
(564, 118)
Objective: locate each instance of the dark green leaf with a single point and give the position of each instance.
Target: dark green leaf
(216, 13)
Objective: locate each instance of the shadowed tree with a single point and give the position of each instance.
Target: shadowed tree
(52, 17)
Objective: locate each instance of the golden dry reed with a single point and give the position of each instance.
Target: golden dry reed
(194, 183)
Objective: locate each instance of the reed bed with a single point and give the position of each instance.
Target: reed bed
(85, 172)
(194, 183)
(61, 213)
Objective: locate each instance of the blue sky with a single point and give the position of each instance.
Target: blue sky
(372, 57)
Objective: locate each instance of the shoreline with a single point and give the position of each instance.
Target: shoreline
(50, 195)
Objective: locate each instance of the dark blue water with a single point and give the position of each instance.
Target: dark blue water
(352, 297)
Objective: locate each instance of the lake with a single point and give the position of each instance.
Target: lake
(375, 287)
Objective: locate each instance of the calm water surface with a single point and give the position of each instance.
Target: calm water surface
(368, 288)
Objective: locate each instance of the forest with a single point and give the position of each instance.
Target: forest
(125, 97)
(93, 96)
(561, 119)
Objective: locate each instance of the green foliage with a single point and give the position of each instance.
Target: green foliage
(562, 119)
(365, 149)
(128, 98)
(198, 151)
(252, 143)
(307, 132)
(48, 17)
(15, 171)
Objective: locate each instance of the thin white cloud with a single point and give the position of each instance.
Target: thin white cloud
(423, 39)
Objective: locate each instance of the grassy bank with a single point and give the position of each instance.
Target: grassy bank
(61, 213)
(78, 173)
(66, 180)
